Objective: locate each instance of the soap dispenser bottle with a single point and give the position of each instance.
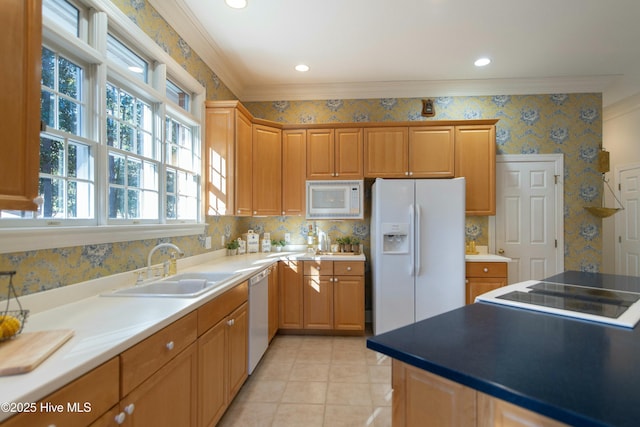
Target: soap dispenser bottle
(173, 264)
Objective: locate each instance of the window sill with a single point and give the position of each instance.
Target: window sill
(30, 239)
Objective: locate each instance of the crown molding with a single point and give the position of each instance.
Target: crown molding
(180, 17)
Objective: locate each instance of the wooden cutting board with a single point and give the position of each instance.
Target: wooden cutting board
(26, 351)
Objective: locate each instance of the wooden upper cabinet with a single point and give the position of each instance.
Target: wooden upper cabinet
(386, 152)
(21, 31)
(475, 159)
(349, 153)
(294, 154)
(219, 161)
(244, 165)
(320, 153)
(431, 152)
(334, 153)
(267, 170)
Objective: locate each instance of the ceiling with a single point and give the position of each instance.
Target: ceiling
(414, 48)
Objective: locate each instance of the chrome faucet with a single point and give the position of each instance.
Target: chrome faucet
(155, 248)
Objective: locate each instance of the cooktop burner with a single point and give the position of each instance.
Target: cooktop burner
(602, 305)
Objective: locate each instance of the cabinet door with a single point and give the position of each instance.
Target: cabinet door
(212, 374)
(273, 301)
(480, 285)
(475, 159)
(294, 158)
(238, 342)
(349, 153)
(219, 159)
(386, 152)
(168, 397)
(320, 154)
(244, 165)
(348, 303)
(431, 152)
(290, 294)
(267, 170)
(21, 32)
(318, 302)
(423, 399)
(494, 412)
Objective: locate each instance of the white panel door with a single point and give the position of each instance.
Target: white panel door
(628, 223)
(527, 225)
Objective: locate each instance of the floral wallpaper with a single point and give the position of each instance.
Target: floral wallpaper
(555, 123)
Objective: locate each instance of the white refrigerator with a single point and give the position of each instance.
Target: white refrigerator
(417, 249)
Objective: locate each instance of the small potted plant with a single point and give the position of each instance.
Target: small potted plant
(232, 247)
(346, 244)
(278, 244)
(355, 245)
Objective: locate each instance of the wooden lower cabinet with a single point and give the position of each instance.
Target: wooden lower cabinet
(222, 353)
(482, 277)
(333, 295)
(290, 295)
(168, 397)
(98, 387)
(423, 399)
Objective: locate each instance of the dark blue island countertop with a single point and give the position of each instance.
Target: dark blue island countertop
(577, 372)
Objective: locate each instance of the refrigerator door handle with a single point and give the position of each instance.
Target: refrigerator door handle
(418, 237)
(412, 235)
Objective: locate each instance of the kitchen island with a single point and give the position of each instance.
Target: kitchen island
(574, 371)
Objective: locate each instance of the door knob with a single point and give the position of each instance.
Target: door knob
(500, 251)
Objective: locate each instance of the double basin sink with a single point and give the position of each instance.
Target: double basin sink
(185, 285)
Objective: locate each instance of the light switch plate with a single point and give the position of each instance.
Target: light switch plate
(207, 242)
(287, 238)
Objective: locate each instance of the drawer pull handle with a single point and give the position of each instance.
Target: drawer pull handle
(170, 345)
(348, 268)
(335, 279)
(129, 408)
(486, 270)
(119, 419)
(231, 322)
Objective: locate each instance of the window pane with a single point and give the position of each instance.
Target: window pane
(48, 108)
(133, 203)
(126, 58)
(171, 181)
(172, 210)
(70, 77)
(112, 100)
(69, 116)
(116, 169)
(80, 200)
(51, 156)
(134, 171)
(177, 95)
(80, 161)
(116, 202)
(52, 191)
(64, 14)
(150, 176)
(48, 68)
(150, 205)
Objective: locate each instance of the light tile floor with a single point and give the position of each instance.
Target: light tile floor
(312, 381)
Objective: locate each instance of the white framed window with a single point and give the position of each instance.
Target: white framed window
(121, 145)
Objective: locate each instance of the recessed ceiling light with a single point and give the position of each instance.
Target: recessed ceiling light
(302, 68)
(236, 4)
(481, 62)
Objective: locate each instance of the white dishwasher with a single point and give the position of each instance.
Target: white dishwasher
(258, 317)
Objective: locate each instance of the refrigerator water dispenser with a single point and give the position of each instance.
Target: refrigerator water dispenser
(395, 238)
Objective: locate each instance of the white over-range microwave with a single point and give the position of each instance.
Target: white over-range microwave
(335, 199)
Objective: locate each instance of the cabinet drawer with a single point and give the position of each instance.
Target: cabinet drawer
(146, 357)
(348, 268)
(99, 388)
(214, 311)
(318, 268)
(486, 269)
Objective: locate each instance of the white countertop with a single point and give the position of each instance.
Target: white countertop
(106, 326)
(486, 258)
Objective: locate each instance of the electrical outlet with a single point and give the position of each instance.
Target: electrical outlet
(287, 238)
(207, 242)
(223, 240)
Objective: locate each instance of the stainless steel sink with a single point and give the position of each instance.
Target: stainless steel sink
(185, 285)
